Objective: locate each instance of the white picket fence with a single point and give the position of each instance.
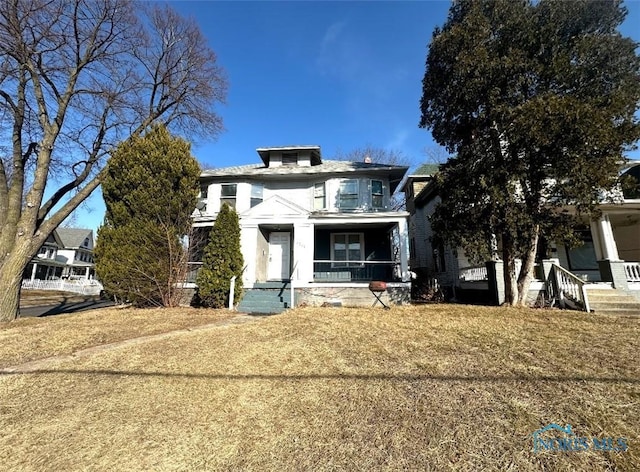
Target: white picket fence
(85, 287)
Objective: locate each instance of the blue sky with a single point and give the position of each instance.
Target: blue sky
(342, 75)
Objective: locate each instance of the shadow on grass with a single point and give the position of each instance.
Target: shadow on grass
(303, 377)
(67, 305)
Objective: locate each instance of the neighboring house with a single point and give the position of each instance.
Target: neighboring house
(67, 254)
(77, 252)
(607, 259)
(322, 227)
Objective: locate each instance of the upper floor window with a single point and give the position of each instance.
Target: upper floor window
(228, 195)
(257, 191)
(348, 195)
(377, 195)
(319, 197)
(289, 158)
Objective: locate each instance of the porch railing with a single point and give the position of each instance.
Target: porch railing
(567, 289)
(192, 271)
(355, 271)
(473, 274)
(632, 271)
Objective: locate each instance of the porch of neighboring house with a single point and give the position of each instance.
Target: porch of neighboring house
(43, 269)
(601, 275)
(43, 274)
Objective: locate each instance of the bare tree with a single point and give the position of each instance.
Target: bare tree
(77, 77)
(377, 155)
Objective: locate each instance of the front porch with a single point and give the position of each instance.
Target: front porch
(570, 274)
(332, 263)
(320, 259)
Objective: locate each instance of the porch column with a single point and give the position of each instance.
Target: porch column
(303, 250)
(403, 235)
(33, 271)
(248, 247)
(86, 273)
(609, 263)
(606, 248)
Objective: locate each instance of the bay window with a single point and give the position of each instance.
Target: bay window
(377, 194)
(348, 195)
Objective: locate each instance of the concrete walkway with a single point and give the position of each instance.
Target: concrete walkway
(39, 364)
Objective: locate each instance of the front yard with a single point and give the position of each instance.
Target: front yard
(435, 387)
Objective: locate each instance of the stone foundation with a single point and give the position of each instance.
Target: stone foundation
(351, 295)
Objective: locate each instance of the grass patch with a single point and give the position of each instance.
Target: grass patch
(27, 339)
(435, 387)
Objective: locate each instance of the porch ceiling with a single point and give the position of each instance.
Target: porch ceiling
(624, 219)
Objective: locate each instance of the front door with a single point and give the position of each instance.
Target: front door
(279, 250)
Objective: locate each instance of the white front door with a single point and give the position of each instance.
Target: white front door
(279, 250)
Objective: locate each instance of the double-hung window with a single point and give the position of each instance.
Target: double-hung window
(319, 197)
(347, 249)
(377, 194)
(257, 191)
(228, 195)
(202, 200)
(348, 195)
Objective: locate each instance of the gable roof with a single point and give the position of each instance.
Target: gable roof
(73, 237)
(276, 205)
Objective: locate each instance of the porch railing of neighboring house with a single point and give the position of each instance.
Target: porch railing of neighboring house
(473, 274)
(82, 286)
(632, 270)
(356, 271)
(567, 288)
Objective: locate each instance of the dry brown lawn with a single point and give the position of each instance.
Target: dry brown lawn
(418, 388)
(27, 339)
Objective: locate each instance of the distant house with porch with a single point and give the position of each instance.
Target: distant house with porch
(321, 228)
(66, 254)
(602, 274)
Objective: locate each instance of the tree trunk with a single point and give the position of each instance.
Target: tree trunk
(526, 272)
(11, 282)
(509, 272)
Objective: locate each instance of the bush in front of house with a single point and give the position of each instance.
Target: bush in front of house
(221, 261)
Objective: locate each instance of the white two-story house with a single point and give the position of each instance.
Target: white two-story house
(324, 228)
(66, 254)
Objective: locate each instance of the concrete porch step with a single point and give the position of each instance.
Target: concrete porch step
(265, 300)
(613, 301)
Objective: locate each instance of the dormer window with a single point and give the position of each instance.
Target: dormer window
(289, 158)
